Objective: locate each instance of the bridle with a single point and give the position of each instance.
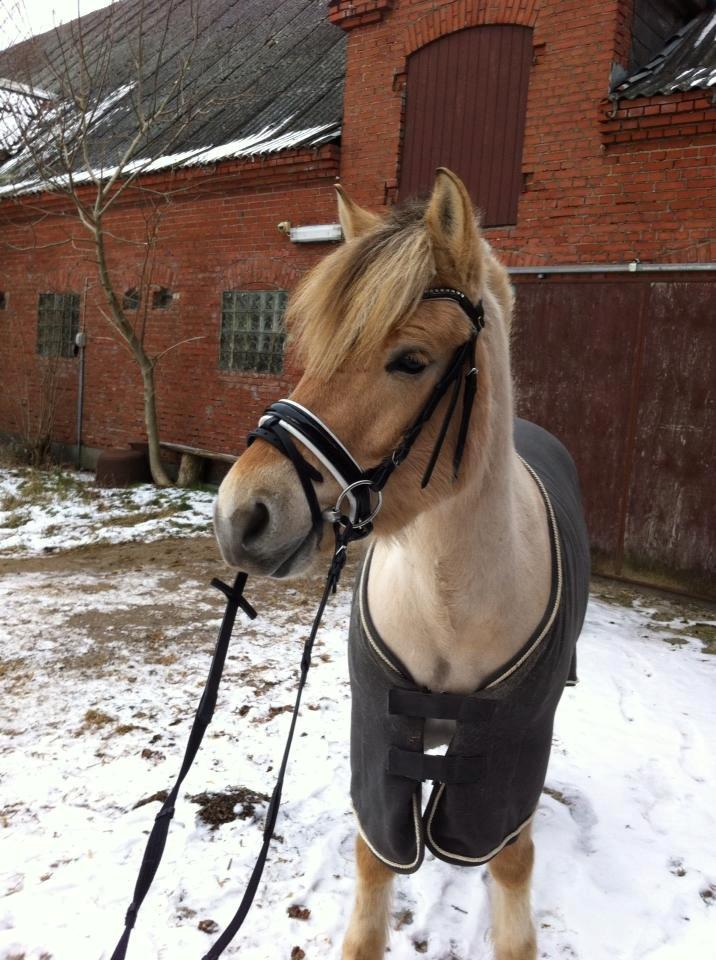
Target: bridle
(284, 422)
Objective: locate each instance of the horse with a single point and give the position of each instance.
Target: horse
(465, 576)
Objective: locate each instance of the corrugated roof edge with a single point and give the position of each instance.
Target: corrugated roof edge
(261, 144)
(691, 53)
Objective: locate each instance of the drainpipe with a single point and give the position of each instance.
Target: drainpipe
(80, 344)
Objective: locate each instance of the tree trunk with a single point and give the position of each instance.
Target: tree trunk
(191, 469)
(150, 419)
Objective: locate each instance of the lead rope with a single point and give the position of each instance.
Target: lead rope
(156, 843)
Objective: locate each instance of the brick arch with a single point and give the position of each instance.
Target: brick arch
(255, 272)
(161, 276)
(67, 277)
(467, 13)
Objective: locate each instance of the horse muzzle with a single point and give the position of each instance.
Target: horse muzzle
(261, 521)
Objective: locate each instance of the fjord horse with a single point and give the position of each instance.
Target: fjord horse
(465, 574)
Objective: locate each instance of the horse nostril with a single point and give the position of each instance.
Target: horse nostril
(256, 523)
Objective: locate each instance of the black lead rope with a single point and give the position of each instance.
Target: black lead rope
(156, 843)
(320, 437)
(154, 850)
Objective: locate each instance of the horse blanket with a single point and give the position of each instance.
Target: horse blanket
(487, 785)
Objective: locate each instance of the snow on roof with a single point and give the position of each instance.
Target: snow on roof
(263, 78)
(19, 105)
(687, 62)
(268, 141)
(36, 93)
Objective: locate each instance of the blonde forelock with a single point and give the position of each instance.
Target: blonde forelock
(353, 299)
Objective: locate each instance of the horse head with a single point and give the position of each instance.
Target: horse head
(373, 351)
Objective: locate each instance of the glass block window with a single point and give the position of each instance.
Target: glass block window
(252, 331)
(58, 322)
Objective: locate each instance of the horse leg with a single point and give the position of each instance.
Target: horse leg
(367, 933)
(513, 931)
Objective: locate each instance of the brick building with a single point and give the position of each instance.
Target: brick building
(586, 132)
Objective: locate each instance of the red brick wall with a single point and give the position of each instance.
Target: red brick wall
(218, 232)
(587, 197)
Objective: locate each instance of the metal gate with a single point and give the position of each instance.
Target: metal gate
(623, 371)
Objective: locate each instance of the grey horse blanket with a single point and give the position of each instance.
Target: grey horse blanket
(487, 786)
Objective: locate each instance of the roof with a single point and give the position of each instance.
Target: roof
(265, 76)
(19, 105)
(687, 62)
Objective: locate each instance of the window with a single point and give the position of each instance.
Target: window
(252, 332)
(3, 300)
(130, 300)
(162, 298)
(466, 101)
(58, 322)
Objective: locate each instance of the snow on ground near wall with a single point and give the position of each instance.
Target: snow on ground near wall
(53, 510)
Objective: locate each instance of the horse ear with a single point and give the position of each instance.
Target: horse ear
(354, 219)
(450, 220)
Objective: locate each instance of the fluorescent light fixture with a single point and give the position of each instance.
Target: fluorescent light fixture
(317, 233)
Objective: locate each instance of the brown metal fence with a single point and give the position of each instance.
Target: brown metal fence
(623, 371)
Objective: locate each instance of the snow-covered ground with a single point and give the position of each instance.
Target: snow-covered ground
(42, 511)
(102, 665)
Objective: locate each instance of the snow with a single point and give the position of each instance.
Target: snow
(43, 512)
(625, 869)
(268, 140)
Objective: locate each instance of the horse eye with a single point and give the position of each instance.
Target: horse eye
(408, 363)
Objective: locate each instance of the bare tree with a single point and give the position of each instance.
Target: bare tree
(36, 396)
(85, 116)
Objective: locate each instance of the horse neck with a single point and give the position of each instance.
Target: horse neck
(463, 586)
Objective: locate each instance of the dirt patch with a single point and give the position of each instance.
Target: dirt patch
(668, 612)
(298, 912)
(237, 803)
(159, 797)
(94, 720)
(196, 554)
(274, 712)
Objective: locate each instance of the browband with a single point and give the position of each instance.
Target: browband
(285, 421)
(475, 311)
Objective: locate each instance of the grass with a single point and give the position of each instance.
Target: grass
(94, 720)
(18, 519)
(10, 502)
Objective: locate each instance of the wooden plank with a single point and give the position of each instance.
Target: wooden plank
(199, 452)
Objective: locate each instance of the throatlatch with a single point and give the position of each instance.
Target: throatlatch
(283, 422)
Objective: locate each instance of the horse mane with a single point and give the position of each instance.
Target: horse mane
(353, 299)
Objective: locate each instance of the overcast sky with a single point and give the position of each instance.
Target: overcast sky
(21, 18)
